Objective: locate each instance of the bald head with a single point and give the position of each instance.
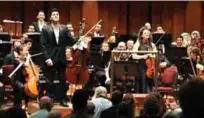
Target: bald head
(45, 103)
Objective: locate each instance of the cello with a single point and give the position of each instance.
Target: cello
(77, 72)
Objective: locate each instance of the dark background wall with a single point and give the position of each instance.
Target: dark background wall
(127, 16)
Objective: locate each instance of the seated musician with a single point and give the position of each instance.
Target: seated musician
(197, 60)
(103, 64)
(121, 56)
(144, 43)
(31, 28)
(186, 39)
(98, 31)
(71, 29)
(28, 43)
(179, 42)
(10, 58)
(130, 45)
(19, 77)
(159, 29)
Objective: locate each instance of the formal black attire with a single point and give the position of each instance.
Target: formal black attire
(18, 82)
(9, 59)
(103, 63)
(56, 52)
(36, 26)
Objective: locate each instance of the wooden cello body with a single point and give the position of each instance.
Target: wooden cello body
(32, 76)
(77, 72)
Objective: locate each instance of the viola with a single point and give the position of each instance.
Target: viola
(150, 63)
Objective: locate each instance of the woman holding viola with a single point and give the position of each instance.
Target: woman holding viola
(144, 43)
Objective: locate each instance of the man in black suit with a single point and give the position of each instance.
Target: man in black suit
(40, 23)
(54, 38)
(10, 58)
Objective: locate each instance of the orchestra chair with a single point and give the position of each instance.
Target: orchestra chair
(8, 89)
(167, 82)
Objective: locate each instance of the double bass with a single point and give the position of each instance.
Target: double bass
(77, 72)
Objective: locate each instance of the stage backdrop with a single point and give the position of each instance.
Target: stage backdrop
(127, 16)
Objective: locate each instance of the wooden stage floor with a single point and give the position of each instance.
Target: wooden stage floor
(33, 106)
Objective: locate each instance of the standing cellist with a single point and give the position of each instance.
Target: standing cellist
(54, 38)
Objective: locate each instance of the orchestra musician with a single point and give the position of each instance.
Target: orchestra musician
(121, 56)
(40, 22)
(71, 30)
(10, 58)
(178, 42)
(31, 28)
(186, 39)
(144, 43)
(197, 60)
(159, 29)
(98, 31)
(54, 39)
(104, 60)
(130, 46)
(19, 81)
(148, 26)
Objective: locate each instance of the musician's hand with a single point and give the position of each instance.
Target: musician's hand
(1, 84)
(200, 67)
(49, 62)
(162, 64)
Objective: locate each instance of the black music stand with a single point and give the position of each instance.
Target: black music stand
(36, 48)
(165, 39)
(5, 44)
(176, 53)
(96, 43)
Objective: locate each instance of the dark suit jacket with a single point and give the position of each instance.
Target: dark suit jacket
(50, 48)
(35, 24)
(9, 59)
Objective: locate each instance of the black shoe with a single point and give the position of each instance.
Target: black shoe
(64, 104)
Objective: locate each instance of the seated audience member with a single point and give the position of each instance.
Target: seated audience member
(178, 42)
(127, 106)
(79, 102)
(191, 98)
(15, 112)
(100, 101)
(54, 114)
(2, 113)
(152, 107)
(112, 112)
(45, 105)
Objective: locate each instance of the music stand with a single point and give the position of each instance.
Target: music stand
(96, 43)
(36, 48)
(5, 44)
(176, 53)
(165, 39)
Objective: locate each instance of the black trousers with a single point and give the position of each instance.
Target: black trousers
(1, 95)
(56, 87)
(19, 93)
(101, 77)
